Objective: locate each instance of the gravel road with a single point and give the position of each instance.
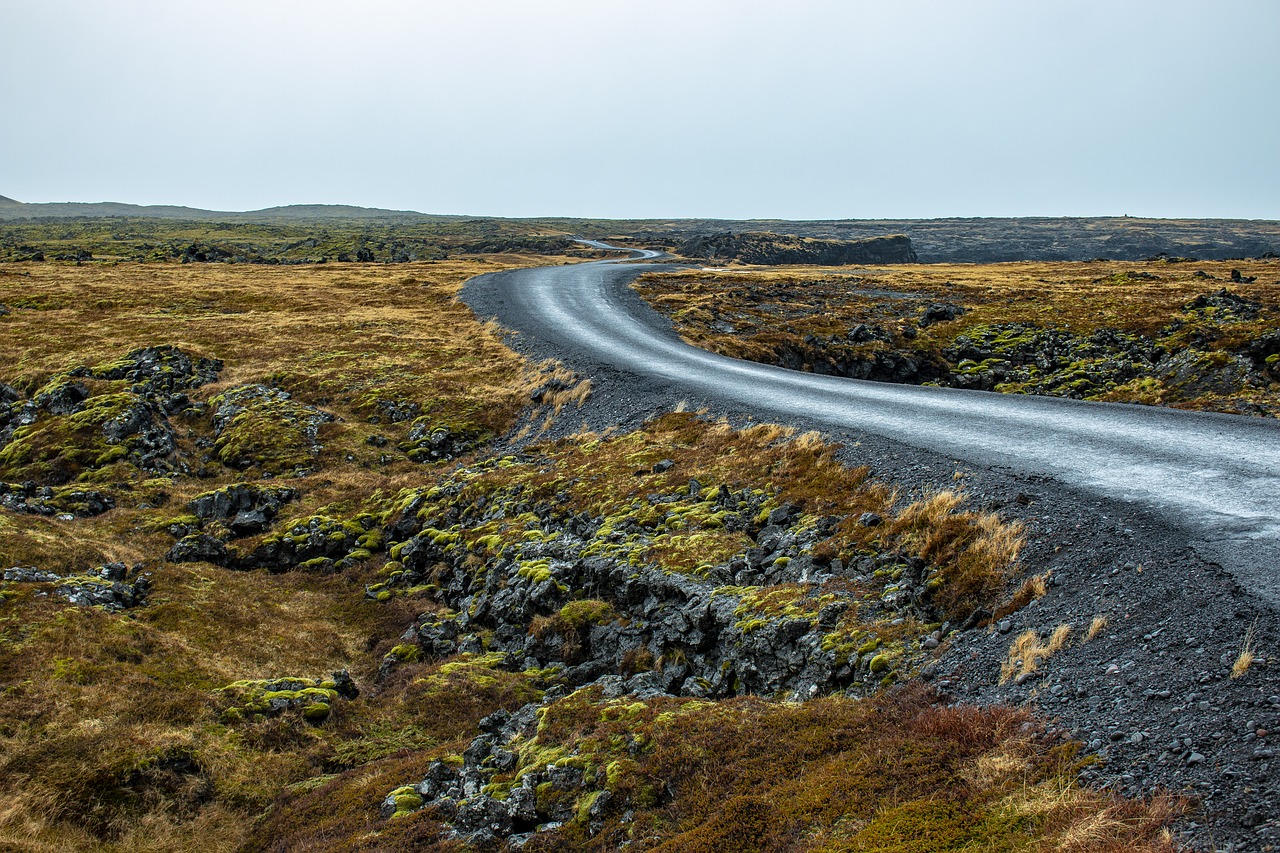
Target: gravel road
(1216, 476)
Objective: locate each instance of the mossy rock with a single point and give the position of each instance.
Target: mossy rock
(316, 712)
(580, 615)
(265, 428)
(60, 448)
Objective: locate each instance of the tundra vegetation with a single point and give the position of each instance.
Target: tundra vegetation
(272, 581)
(1188, 334)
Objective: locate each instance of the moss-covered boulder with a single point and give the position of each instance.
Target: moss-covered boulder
(112, 586)
(318, 543)
(256, 426)
(243, 508)
(162, 374)
(312, 698)
(82, 423)
(33, 499)
(428, 441)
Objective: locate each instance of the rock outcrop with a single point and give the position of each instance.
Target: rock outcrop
(773, 249)
(313, 698)
(89, 418)
(259, 426)
(108, 586)
(64, 501)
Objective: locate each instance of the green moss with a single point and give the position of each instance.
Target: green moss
(578, 615)
(316, 712)
(407, 800)
(270, 435)
(537, 571)
(406, 653)
(585, 802)
(60, 448)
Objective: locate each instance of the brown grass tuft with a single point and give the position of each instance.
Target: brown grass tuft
(975, 551)
(1031, 589)
(1027, 652)
(1246, 656)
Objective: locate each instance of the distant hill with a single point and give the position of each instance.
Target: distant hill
(10, 209)
(964, 240)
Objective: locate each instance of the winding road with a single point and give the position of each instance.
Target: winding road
(1216, 476)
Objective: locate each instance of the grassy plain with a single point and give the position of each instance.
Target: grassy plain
(132, 731)
(272, 240)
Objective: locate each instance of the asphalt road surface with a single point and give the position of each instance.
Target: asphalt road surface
(1216, 476)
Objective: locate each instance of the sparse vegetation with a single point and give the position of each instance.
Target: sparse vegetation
(216, 715)
(1029, 651)
(1032, 588)
(894, 773)
(1245, 659)
(1198, 335)
(283, 239)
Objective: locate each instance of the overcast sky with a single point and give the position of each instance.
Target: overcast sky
(727, 108)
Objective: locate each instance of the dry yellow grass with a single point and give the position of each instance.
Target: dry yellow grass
(979, 549)
(1027, 652)
(344, 334)
(1080, 819)
(1246, 657)
(1096, 627)
(95, 706)
(1084, 295)
(1031, 589)
(94, 703)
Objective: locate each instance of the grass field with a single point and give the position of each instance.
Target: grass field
(153, 728)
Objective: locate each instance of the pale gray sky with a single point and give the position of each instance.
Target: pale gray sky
(620, 108)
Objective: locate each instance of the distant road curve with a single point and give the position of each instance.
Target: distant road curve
(1218, 476)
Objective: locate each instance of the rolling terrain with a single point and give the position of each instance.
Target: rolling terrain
(319, 231)
(365, 578)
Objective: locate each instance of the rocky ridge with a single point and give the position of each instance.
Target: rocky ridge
(772, 249)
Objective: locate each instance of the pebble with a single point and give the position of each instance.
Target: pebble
(1195, 758)
(1005, 626)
